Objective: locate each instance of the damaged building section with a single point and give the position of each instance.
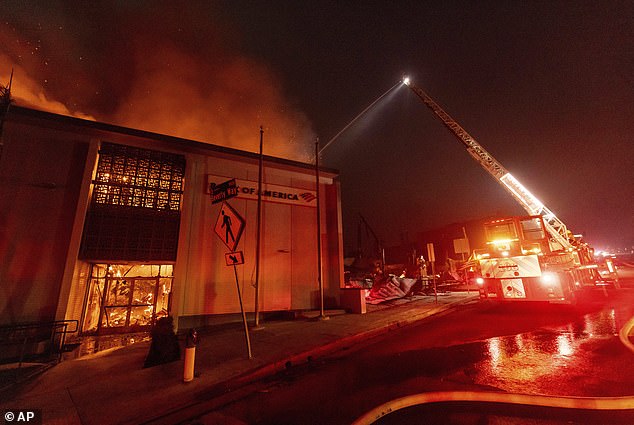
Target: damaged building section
(111, 229)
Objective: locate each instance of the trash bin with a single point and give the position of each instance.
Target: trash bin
(164, 347)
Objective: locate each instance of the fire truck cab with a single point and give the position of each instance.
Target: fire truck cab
(519, 265)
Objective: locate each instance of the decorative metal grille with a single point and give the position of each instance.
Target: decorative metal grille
(134, 213)
(140, 178)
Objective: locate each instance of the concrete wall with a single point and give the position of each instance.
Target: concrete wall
(40, 178)
(204, 284)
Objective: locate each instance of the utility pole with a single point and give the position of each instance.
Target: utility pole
(258, 237)
(320, 283)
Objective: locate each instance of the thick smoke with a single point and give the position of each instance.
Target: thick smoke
(223, 104)
(176, 72)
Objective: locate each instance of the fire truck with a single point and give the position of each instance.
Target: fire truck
(519, 264)
(533, 257)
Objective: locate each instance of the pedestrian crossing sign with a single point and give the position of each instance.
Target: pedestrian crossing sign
(229, 226)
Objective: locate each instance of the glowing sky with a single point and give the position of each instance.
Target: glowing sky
(545, 87)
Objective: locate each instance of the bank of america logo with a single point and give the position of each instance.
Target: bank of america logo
(307, 196)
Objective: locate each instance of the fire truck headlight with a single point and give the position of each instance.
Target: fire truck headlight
(479, 281)
(549, 278)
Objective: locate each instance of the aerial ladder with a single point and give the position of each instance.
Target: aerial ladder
(553, 275)
(560, 237)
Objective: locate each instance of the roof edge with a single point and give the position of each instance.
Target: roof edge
(113, 128)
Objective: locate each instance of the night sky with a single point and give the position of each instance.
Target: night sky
(546, 87)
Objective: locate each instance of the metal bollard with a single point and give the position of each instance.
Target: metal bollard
(190, 355)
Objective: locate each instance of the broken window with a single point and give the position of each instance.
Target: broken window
(126, 298)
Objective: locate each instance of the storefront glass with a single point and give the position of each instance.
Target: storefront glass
(126, 297)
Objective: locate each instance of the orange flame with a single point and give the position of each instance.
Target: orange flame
(161, 88)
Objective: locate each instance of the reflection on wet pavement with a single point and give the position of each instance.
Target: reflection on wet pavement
(576, 359)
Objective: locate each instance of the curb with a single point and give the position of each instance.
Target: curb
(340, 343)
(306, 356)
(322, 350)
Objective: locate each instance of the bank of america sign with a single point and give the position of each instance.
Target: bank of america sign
(248, 189)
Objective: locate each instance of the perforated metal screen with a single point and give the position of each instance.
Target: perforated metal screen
(134, 214)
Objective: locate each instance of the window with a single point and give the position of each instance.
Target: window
(501, 231)
(126, 297)
(532, 229)
(134, 213)
(140, 178)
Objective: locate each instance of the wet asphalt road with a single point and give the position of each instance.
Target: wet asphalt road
(543, 349)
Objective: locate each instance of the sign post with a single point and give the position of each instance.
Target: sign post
(229, 227)
(233, 259)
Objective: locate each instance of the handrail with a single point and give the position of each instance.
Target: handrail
(34, 325)
(22, 333)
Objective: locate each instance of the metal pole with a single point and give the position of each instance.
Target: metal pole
(383, 261)
(320, 283)
(433, 272)
(259, 231)
(244, 316)
(466, 240)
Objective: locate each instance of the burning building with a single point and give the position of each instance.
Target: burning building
(114, 227)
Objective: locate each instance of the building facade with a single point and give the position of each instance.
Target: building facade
(115, 227)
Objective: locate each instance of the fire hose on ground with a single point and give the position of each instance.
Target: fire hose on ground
(584, 403)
